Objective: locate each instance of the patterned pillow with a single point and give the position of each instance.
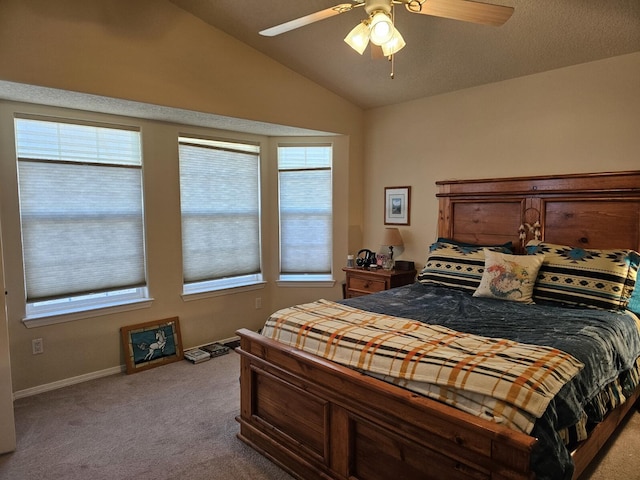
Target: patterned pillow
(601, 279)
(506, 247)
(634, 301)
(509, 277)
(455, 264)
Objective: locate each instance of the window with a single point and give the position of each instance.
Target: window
(220, 206)
(305, 202)
(81, 214)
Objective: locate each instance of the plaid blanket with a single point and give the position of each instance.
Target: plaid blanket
(505, 380)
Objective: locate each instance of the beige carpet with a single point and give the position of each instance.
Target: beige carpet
(620, 457)
(175, 422)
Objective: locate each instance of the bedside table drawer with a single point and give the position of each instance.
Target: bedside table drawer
(366, 285)
(363, 282)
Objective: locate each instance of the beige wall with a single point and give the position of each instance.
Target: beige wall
(151, 51)
(584, 118)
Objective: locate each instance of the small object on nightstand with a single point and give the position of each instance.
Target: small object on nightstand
(404, 265)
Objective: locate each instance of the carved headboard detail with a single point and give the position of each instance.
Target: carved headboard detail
(591, 210)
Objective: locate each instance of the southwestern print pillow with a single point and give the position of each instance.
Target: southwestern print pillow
(602, 279)
(634, 301)
(506, 247)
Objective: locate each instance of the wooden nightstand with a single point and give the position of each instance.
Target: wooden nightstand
(361, 281)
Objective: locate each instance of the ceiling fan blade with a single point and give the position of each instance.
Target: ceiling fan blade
(308, 19)
(467, 11)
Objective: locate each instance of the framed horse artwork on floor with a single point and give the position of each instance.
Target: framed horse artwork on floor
(151, 344)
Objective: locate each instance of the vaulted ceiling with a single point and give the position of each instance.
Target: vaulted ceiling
(441, 55)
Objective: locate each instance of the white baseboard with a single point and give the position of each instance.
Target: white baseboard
(27, 392)
(230, 339)
(224, 340)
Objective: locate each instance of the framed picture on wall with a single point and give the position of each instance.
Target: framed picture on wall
(151, 344)
(397, 205)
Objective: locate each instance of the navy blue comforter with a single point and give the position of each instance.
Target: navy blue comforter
(608, 344)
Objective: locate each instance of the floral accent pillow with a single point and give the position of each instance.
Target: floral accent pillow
(456, 264)
(509, 277)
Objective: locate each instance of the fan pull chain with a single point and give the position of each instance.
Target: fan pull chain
(392, 58)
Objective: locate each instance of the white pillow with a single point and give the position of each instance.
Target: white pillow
(509, 277)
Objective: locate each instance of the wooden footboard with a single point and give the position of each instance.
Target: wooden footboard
(319, 420)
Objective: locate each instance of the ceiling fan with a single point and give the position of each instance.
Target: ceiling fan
(379, 26)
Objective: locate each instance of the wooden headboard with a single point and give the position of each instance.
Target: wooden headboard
(592, 210)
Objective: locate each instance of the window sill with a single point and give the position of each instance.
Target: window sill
(71, 315)
(310, 281)
(219, 292)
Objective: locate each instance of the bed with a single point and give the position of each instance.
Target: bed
(317, 418)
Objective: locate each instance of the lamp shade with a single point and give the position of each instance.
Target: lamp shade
(394, 45)
(392, 237)
(358, 38)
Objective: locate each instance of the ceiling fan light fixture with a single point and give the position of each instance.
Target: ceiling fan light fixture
(358, 38)
(394, 45)
(381, 28)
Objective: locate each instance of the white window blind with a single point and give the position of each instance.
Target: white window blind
(81, 208)
(220, 206)
(305, 195)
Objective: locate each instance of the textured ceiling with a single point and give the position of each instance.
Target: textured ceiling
(441, 55)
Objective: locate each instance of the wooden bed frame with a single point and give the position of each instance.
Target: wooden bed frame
(319, 420)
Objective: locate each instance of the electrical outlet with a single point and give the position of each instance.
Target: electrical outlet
(37, 346)
(258, 302)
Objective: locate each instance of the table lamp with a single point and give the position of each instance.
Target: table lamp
(392, 238)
